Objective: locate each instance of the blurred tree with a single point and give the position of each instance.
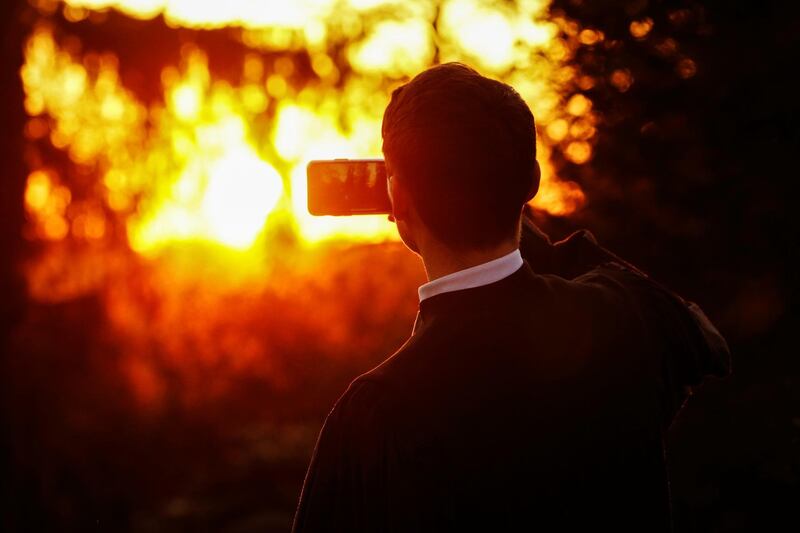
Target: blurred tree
(694, 178)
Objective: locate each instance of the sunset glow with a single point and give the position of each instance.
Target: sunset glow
(192, 168)
(179, 195)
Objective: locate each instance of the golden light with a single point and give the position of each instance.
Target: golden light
(590, 37)
(191, 169)
(240, 191)
(579, 152)
(199, 187)
(210, 14)
(622, 79)
(38, 191)
(185, 99)
(482, 32)
(640, 28)
(578, 105)
(557, 130)
(395, 48)
(46, 202)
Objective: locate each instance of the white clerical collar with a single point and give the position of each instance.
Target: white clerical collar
(472, 277)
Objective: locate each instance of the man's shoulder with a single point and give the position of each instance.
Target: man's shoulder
(606, 288)
(610, 286)
(387, 379)
(424, 363)
(542, 302)
(536, 301)
(362, 406)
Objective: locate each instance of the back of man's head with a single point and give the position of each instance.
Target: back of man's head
(465, 147)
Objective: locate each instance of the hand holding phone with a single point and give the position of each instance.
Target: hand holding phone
(342, 187)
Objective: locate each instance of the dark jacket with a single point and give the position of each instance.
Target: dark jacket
(536, 402)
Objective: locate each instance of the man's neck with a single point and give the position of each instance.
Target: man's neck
(440, 261)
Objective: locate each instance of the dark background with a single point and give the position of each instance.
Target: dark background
(693, 179)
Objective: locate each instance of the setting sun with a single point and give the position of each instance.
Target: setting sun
(216, 158)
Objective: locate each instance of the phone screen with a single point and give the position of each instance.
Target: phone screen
(347, 187)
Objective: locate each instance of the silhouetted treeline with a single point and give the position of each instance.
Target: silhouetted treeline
(694, 178)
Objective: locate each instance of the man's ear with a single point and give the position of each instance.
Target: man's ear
(537, 176)
(400, 200)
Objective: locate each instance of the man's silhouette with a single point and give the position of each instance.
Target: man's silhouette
(536, 388)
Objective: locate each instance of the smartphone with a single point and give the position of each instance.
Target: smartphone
(342, 187)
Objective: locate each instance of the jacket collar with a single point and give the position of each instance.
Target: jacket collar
(483, 274)
(454, 303)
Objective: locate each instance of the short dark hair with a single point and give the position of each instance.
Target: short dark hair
(465, 145)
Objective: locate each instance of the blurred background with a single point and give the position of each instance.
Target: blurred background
(175, 326)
